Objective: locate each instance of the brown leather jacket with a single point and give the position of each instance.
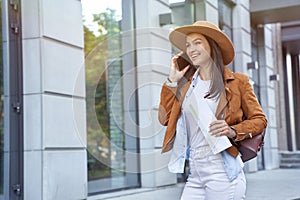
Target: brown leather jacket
(236, 104)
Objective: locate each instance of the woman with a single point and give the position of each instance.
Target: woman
(205, 105)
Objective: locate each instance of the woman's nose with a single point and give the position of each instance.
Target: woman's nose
(193, 47)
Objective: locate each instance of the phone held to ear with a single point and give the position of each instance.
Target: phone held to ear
(183, 61)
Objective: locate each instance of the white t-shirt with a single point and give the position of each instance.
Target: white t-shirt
(195, 136)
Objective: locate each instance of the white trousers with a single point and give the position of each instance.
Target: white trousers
(208, 180)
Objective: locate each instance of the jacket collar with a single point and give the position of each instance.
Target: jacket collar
(228, 74)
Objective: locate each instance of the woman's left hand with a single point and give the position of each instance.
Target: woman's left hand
(219, 128)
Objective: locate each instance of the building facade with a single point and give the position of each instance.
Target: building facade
(81, 80)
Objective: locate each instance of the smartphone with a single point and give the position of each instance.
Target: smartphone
(183, 61)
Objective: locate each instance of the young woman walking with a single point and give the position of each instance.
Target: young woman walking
(206, 108)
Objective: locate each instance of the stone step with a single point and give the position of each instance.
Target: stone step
(290, 160)
(290, 154)
(290, 165)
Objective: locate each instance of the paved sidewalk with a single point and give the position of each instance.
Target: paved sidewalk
(279, 184)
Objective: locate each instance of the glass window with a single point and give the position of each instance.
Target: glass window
(225, 20)
(225, 14)
(112, 147)
(183, 12)
(255, 72)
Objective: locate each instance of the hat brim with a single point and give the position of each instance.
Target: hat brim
(178, 38)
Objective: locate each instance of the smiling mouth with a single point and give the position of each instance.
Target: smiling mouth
(193, 57)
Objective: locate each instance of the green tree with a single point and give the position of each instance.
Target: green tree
(98, 50)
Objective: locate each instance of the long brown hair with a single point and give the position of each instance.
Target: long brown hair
(217, 70)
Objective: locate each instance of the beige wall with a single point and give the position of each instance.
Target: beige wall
(54, 100)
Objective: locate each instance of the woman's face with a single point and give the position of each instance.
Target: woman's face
(198, 49)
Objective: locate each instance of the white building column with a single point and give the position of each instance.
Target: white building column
(55, 163)
(267, 91)
(241, 36)
(280, 89)
(242, 44)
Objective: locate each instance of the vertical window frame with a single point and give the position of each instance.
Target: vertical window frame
(15, 102)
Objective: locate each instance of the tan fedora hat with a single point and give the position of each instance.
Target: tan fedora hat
(178, 38)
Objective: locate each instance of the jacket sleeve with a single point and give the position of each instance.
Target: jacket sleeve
(167, 98)
(255, 120)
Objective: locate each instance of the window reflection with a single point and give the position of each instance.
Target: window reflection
(225, 21)
(182, 12)
(106, 137)
(98, 47)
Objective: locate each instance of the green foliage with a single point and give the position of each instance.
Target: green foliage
(98, 50)
(90, 40)
(107, 23)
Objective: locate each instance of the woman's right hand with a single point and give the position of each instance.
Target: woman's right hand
(175, 74)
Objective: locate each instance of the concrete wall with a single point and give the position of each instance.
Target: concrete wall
(54, 100)
(279, 89)
(241, 36)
